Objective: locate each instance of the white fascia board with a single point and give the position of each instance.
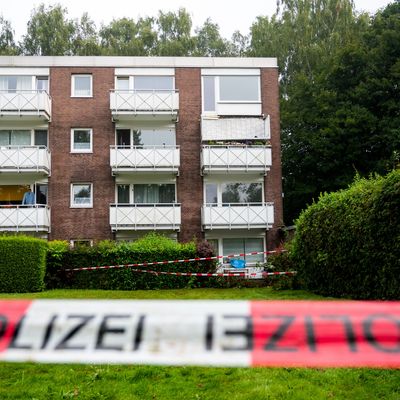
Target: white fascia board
(230, 71)
(137, 62)
(145, 71)
(25, 71)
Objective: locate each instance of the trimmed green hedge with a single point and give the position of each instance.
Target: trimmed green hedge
(152, 247)
(348, 243)
(22, 264)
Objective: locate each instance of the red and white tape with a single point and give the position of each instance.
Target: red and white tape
(145, 264)
(228, 333)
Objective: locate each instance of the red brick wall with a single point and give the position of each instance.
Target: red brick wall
(188, 137)
(72, 223)
(273, 180)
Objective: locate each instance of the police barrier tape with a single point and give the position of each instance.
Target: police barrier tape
(145, 264)
(225, 333)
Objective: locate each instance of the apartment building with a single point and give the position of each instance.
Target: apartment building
(95, 148)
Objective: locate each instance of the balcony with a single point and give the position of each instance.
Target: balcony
(166, 216)
(27, 105)
(237, 216)
(235, 158)
(214, 128)
(25, 159)
(136, 159)
(35, 218)
(128, 105)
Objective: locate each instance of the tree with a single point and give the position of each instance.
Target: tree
(208, 41)
(49, 32)
(85, 40)
(7, 44)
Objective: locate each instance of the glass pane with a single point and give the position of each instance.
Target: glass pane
(41, 194)
(254, 244)
(82, 140)
(123, 194)
(154, 82)
(167, 193)
(82, 194)
(241, 192)
(82, 85)
(122, 83)
(12, 194)
(4, 138)
(209, 93)
(233, 246)
(155, 137)
(214, 244)
(42, 83)
(211, 193)
(24, 83)
(239, 88)
(123, 137)
(41, 138)
(146, 194)
(12, 84)
(20, 138)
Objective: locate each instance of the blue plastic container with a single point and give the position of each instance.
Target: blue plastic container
(237, 263)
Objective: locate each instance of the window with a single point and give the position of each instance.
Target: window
(81, 86)
(239, 88)
(42, 83)
(154, 83)
(81, 243)
(41, 193)
(146, 137)
(81, 195)
(230, 193)
(157, 193)
(81, 140)
(15, 138)
(122, 83)
(209, 93)
(13, 84)
(41, 138)
(243, 246)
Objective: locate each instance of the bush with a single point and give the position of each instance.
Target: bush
(348, 243)
(150, 248)
(22, 264)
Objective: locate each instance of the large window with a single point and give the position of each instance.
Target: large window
(227, 193)
(125, 83)
(81, 140)
(15, 138)
(13, 84)
(239, 88)
(81, 86)
(146, 137)
(243, 246)
(146, 193)
(81, 195)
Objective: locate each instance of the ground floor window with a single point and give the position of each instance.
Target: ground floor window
(243, 246)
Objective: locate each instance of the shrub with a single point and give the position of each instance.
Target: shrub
(150, 248)
(22, 264)
(348, 243)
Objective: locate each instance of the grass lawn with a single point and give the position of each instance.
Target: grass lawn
(49, 381)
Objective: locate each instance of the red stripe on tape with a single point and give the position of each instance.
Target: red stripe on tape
(326, 334)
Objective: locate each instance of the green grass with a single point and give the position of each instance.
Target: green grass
(49, 381)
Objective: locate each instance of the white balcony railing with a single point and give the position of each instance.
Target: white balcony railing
(235, 158)
(145, 216)
(32, 218)
(238, 216)
(144, 159)
(26, 104)
(25, 159)
(128, 104)
(214, 128)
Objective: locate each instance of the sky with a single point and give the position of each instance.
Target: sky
(230, 15)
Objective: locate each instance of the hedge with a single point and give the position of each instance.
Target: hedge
(348, 243)
(152, 247)
(22, 264)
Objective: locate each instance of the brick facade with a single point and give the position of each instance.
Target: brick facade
(68, 112)
(188, 137)
(273, 179)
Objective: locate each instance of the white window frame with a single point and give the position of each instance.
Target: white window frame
(89, 205)
(73, 150)
(73, 76)
(73, 242)
(131, 190)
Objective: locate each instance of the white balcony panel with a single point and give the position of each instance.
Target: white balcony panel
(20, 159)
(26, 104)
(142, 104)
(238, 216)
(145, 216)
(145, 159)
(216, 159)
(235, 128)
(34, 218)
(226, 108)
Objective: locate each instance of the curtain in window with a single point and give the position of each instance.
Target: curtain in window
(154, 193)
(3, 83)
(4, 138)
(24, 83)
(20, 138)
(82, 86)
